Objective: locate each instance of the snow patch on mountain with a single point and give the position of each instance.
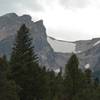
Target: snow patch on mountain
(78, 51)
(96, 43)
(87, 66)
(62, 46)
(57, 70)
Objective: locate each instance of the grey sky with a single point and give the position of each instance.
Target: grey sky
(74, 3)
(64, 19)
(15, 5)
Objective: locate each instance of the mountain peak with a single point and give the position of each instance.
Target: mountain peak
(26, 17)
(10, 15)
(39, 22)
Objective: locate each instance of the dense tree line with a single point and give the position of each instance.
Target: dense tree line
(22, 78)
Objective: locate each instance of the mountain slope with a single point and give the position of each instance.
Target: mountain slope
(88, 52)
(10, 23)
(52, 53)
(61, 46)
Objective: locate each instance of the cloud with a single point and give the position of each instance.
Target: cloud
(34, 5)
(60, 23)
(74, 3)
(17, 5)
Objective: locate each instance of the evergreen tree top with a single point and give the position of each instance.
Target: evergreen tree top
(23, 28)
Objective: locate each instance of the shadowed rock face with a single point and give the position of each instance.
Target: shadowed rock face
(88, 51)
(10, 23)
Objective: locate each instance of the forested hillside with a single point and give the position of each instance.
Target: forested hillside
(22, 78)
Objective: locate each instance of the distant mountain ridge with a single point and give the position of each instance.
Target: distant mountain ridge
(9, 25)
(87, 51)
(79, 46)
(52, 53)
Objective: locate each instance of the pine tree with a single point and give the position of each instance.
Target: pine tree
(72, 78)
(91, 88)
(96, 82)
(8, 88)
(24, 66)
(59, 86)
(88, 82)
(51, 88)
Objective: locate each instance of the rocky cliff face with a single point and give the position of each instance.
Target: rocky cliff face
(52, 53)
(88, 52)
(10, 23)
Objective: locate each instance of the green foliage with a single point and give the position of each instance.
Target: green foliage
(88, 76)
(24, 79)
(72, 79)
(88, 94)
(59, 86)
(24, 66)
(8, 89)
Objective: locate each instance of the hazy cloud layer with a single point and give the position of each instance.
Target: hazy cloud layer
(35, 5)
(74, 3)
(64, 19)
(15, 5)
(39, 5)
